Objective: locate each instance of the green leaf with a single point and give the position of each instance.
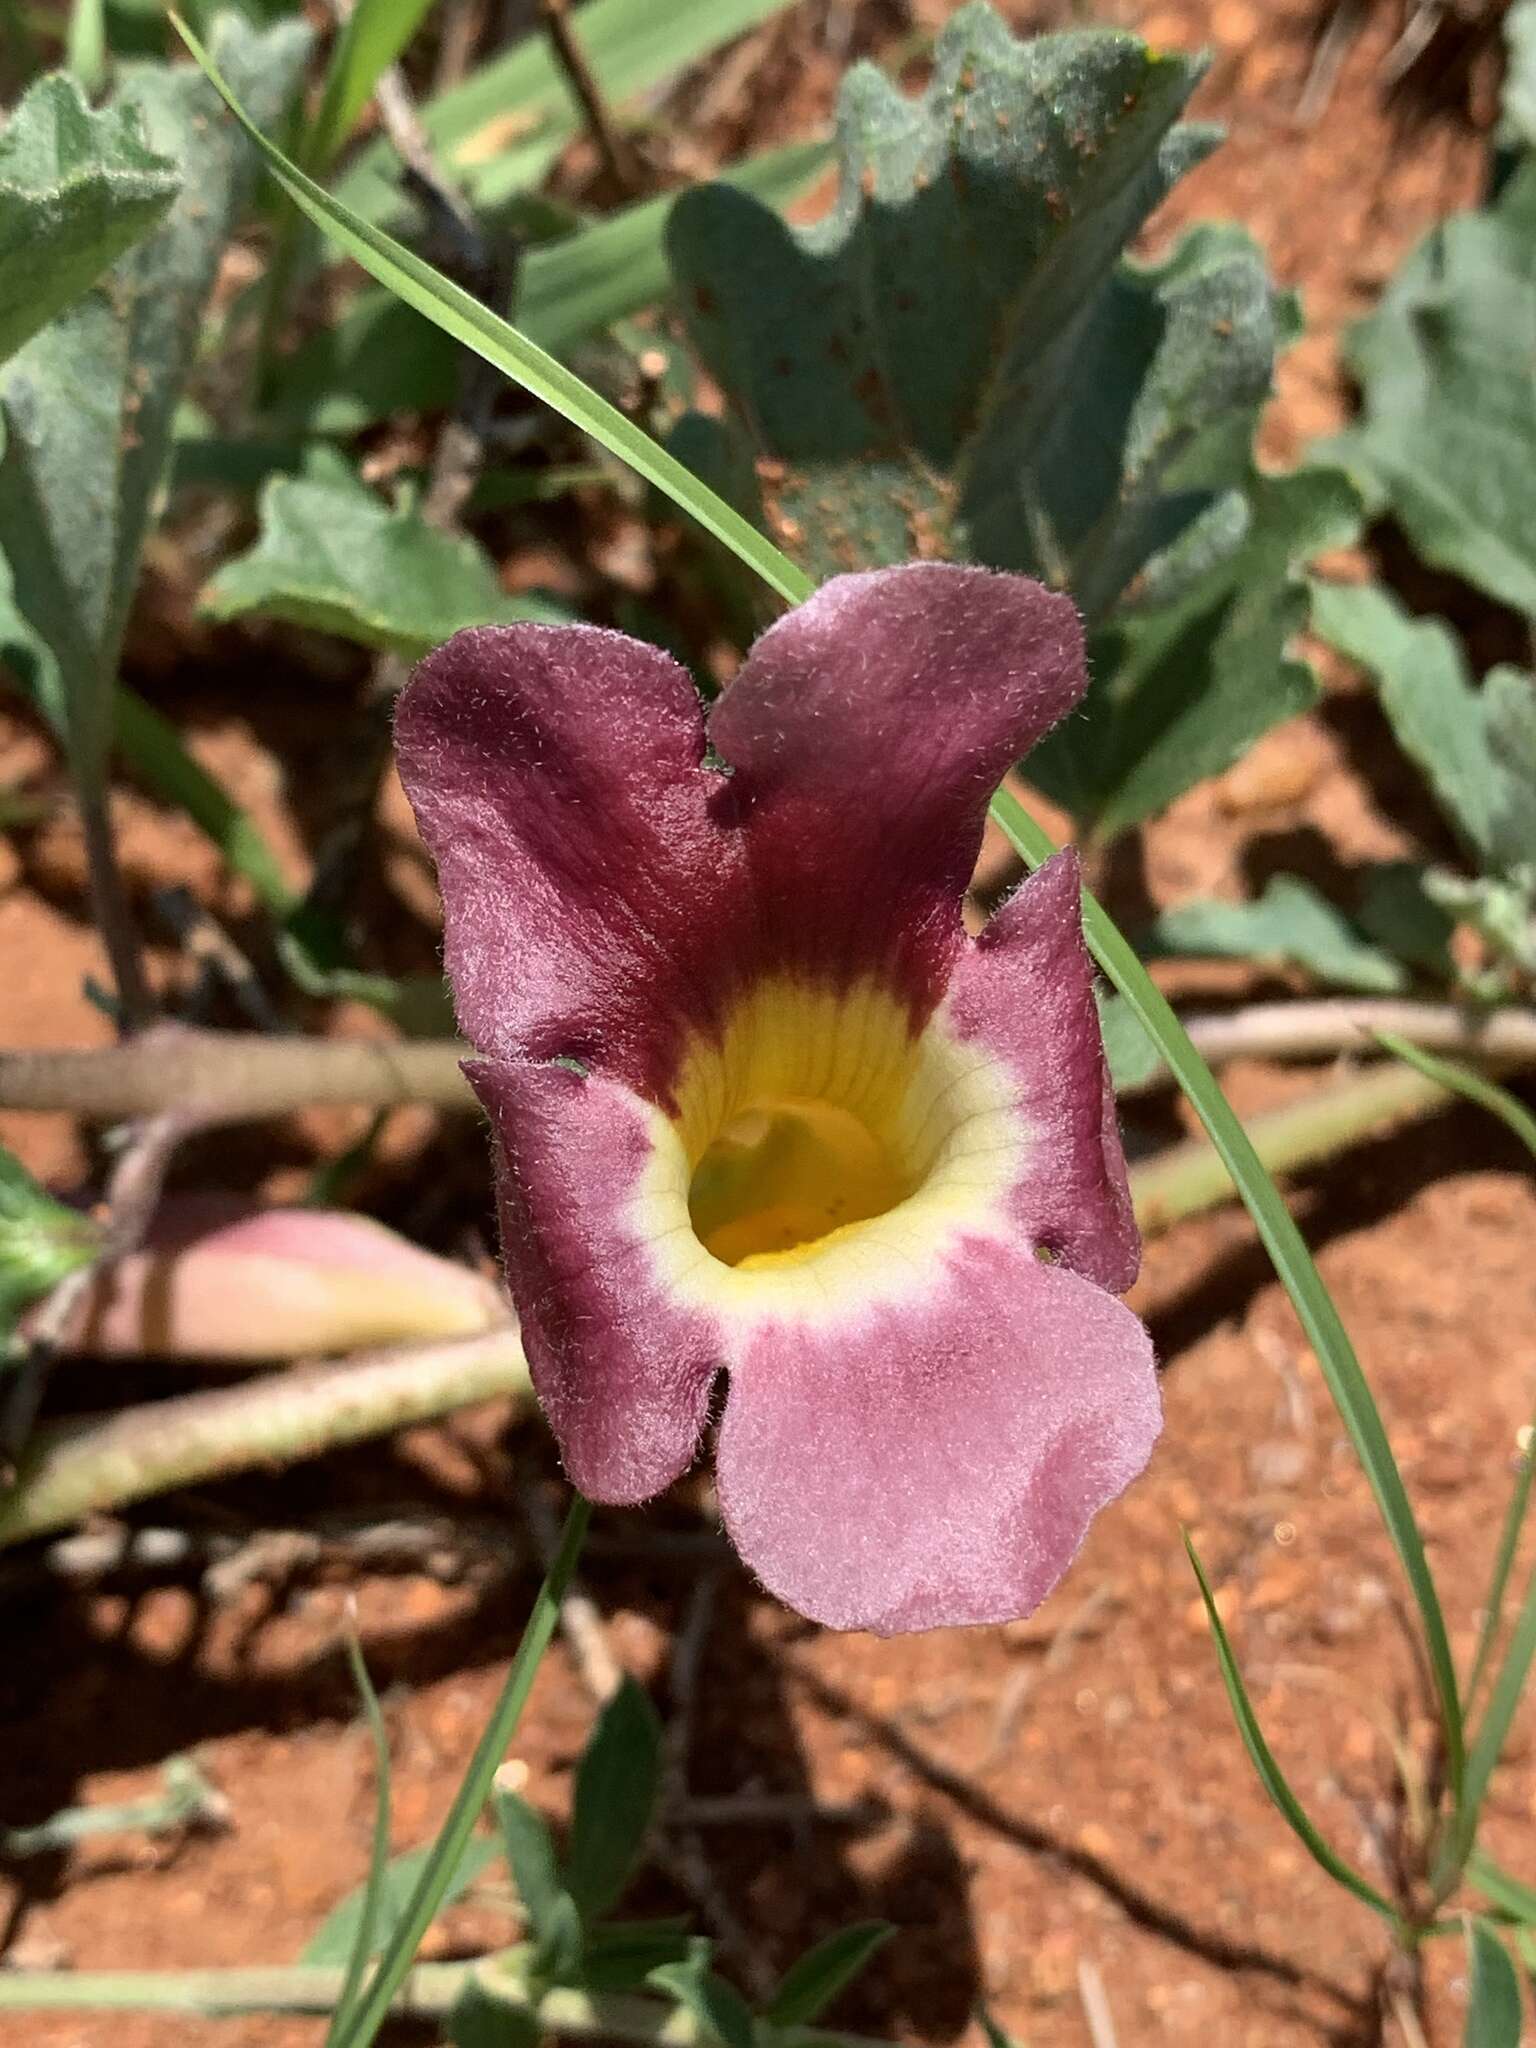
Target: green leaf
(896, 370)
(1426, 693)
(337, 558)
(1290, 923)
(1398, 913)
(41, 1242)
(717, 2007)
(530, 1853)
(1448, 432)
(462, 316)
(77, 189)
(620, 1955)
(1517, 122)
(958, 362)
(87, 405)
(500, 130)
(481, 2020)
(1271, 1776)
(1509, 718)
(1133, 1059)
(1188, 674)
(334, 1940)
(617, 1782)
(809, 1986)
(1493, 1999)
(380, 358)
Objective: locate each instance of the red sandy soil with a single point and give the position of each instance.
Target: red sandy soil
(1068, 1792)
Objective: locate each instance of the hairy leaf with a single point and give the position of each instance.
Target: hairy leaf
(959, 361)
(336, 557)
(1448, 432)
(1290, 923)
(87, 404)
(77, 189)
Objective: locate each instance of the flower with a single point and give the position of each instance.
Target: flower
(760, 1104)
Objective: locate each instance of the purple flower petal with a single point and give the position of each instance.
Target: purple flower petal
(938, 1462)
(1025, 991)
(622, 1368)
(555, 773)
(867, 730)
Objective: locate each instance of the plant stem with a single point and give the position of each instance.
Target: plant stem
(1191, 1178)
(618, 158)
(76, 1469)
(427, 1993)
(109, 904)
(232, 1077)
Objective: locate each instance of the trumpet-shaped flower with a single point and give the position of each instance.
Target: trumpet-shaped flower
(759, 1103)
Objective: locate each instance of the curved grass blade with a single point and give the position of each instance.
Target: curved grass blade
(372, 37)
(1468, 1082)
(372, 2006)
(378, 1859)
(1288, 1254)
(1270, 1773)
(500, 344)
(1492, 1733)
(463, 317)
(1509, 1894)
(1503, 1563)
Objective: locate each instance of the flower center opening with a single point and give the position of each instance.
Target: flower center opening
(787, 1173)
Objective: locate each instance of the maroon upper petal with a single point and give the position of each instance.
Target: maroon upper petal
(1024, 989)
(867, 731)
(555, 773)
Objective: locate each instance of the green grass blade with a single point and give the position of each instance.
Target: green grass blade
(1270, 1773)
(153, 749)
(371, 39)
(500, 344)
(468, 321)
(1492, 1733)
(372, 2006)
(85, 49)
(1503, 1564)
(378, 1860)
(1468, 1082)
(1509, 1894)
(1288, 1254)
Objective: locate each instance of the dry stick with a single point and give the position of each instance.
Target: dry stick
(82, 1468)
(76, 1469)
(245, 1077)
(618, 158)
(430, 1992)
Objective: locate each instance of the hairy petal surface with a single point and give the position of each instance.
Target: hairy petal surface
(938, 1462)
(622, 1368)
(867, 731)
(1024, 990)
(555, 773)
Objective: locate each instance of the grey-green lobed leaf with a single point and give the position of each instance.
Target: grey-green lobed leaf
(1290, 923)
(875, 359)
(77, 189)
(1475, 747)
(87, 405)
(1447, 437)
(335, 557)
(960, 361)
